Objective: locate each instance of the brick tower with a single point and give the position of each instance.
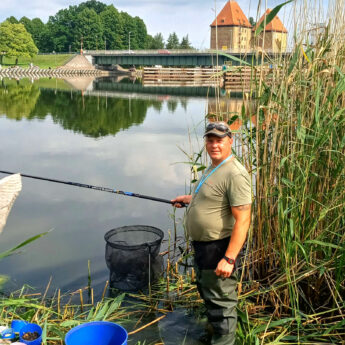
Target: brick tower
(232, 29)
(275, 35)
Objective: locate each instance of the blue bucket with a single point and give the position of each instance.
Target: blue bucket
(31, 327)
(17, 325)
(97, 333)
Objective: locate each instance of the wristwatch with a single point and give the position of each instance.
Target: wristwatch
(229, 260)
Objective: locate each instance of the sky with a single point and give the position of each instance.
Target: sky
(192, 17)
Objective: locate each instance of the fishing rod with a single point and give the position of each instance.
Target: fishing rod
(102, 189)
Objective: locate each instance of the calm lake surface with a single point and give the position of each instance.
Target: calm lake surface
(112, 134)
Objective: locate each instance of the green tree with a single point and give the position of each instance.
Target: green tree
(95, 22)
(129, 33)
(112, 28)
(173, 42)
(15, 41)
(61, 29)
(97, 6)
(141, 32)
(157, 42)
(46, 44)
(185, 44)
(26, 22)
(36, 28)
(149, 42)
(12, 20)
(38, 33)
(252, 21)
(89, 29)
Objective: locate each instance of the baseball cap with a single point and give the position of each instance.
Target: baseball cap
(219, 129)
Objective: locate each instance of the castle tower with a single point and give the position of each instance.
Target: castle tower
(233, 29)
(275, 35)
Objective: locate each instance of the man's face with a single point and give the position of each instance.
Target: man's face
(218, 148)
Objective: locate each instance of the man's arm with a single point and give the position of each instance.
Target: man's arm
(186, 199)
(242, 215)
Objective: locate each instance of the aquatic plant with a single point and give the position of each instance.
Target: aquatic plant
(14, 250)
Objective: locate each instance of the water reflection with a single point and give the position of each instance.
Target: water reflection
(232, 109)
(103, 109)
(109, 85)
(18, 99)
(91, 116)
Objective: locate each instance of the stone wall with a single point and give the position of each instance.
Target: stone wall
(275, 42)
(241, 39)
(235, 38)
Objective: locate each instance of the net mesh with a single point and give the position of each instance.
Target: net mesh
(131, 255)
(10, 187)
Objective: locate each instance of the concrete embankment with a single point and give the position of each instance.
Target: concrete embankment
(77, 66)
(36, 72)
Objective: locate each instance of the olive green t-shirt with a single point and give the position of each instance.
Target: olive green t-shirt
(209, 214)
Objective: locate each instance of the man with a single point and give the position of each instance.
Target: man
(217, 220)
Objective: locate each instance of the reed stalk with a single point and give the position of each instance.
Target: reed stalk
(294, 143)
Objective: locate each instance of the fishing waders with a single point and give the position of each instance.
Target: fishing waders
(219, 294)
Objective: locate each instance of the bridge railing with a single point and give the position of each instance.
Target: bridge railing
(145, 51)
(166, 52)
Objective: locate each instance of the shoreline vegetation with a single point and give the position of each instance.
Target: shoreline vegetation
(292, 278)
(43, 61)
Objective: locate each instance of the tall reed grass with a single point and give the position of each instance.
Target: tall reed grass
(293, 276)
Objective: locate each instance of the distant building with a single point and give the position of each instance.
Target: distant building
(273, 38)
(231, 30)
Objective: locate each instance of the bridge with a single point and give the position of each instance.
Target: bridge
(179, 58)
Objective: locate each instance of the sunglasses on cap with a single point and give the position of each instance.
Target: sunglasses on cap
(218, 126)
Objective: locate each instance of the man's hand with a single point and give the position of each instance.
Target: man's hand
(185, 199)
(224, 269)
(238, 236)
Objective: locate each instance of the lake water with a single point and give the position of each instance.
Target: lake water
(118, 135)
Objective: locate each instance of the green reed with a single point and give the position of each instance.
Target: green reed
(292, 285)
(295, 257)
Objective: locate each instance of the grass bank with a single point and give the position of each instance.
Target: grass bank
(138, 313)
(42, 61)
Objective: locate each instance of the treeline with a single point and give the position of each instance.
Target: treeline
(94, 25)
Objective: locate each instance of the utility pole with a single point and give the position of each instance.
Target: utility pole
(129, 42)
(81, 45)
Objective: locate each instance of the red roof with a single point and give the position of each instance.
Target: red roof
(275, 25)
(231, 14)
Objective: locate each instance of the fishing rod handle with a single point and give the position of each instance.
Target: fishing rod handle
(152, 198)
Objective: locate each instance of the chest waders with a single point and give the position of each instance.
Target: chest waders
(219, 294)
